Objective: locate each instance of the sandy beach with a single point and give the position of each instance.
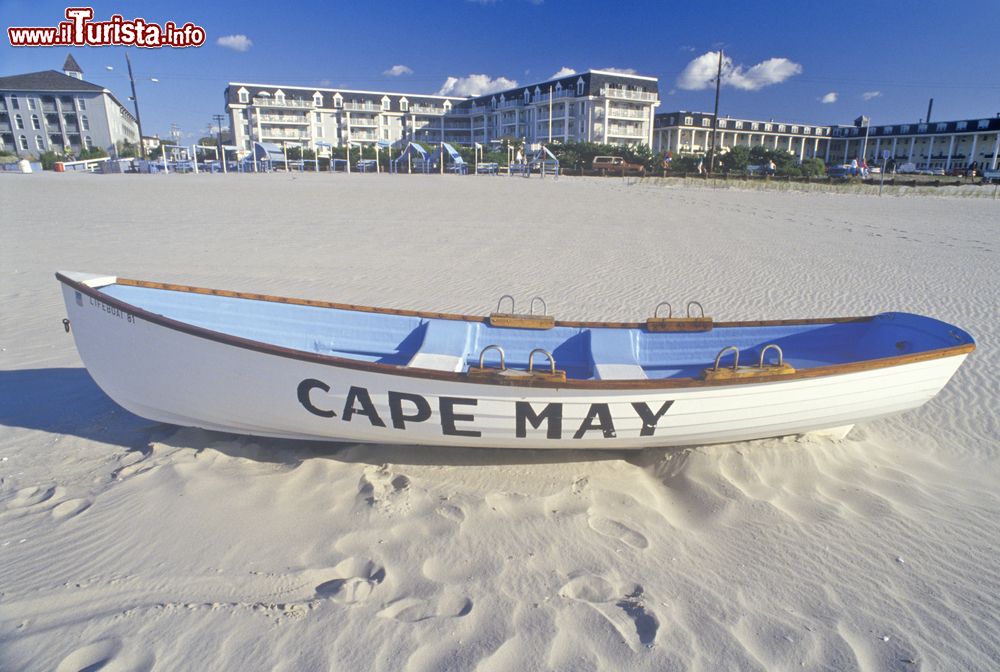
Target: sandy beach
(133, 545)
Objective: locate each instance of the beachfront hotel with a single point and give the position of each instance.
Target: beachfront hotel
(52, 110)
(946, 145)
(690, 133)
(594, 106)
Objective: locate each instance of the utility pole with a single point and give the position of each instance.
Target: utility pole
(135, 100)
(715, 116)
(222, 155)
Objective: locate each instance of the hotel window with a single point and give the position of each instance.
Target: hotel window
(18, 122)
(31, 103)
(80, 105)
(88, 142)
(739, 125)
(35, 124)
(706, 122)
(85, 122)
(922, 128)
(244, 96)
(527, 96)
(942, 127)
(962, 125)
(984, 123)
(317, 99)
(688, 121)
(781, 128)
(768, 127)
(722, 123)
(807, 130)
(279, 97)
(23, 142)
(795, 129)
(13, 103)
(385, 103)
(404, 105)
(579, 87)
(38, 142)
(904, 129)
(338, 101)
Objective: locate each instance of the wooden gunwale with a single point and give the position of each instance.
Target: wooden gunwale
(414, 372)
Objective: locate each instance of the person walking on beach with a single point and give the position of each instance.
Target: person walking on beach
(854, 167)
(701, 167)
(771, 167)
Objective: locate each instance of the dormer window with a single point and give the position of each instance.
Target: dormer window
(404, 105)
(527, 96)
(317, 99)
(338, 101)
(447, 106)
(688, 121)
(493, 102)
(386, 103)
(279, 97)
(244, 95)
(722, 123)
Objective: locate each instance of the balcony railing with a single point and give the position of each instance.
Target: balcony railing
(426, 109)
(544, 97)
(278, 102)
(624, 94)
(284, 134)
(626, 113)
(283, 119)
(362, 107)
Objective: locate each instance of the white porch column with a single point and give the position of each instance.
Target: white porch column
(802, 149)
(878, 148)
(846, 145)
(951, 149)
(972, 152)
(913, 142)
(996, 150)
(894, 149)
(827, 159)
(930, 152)
(815, 147)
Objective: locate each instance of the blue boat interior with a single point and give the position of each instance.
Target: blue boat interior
(585, 353)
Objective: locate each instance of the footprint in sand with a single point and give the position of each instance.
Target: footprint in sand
(31, 496)
(616, 530)
(91, 657)
(360, 577)
(378, 485)
(70, 508)
(414, 610)
(598, 592)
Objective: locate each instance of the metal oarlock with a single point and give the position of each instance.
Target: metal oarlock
(531, 363)
(771, 346)
(736, 357)
(482, 356)
(670, 311)
(506, 296)
(531, 309)
(700, 308)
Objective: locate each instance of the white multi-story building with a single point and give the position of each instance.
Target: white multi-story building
(946, 145)
(51, 110)
(690, 133)
(594, 106)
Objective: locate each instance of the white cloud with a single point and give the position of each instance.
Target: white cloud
(563, 72)
(829, 98)
(700, 73)
(868, 95)
(235, 42)
(620, 71)
(474, 85)
(397, 70)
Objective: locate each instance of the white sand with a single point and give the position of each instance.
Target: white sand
(135, 546)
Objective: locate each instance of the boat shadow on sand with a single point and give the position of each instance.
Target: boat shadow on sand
(67, 401)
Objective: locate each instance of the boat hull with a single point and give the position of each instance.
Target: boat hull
(169, 375)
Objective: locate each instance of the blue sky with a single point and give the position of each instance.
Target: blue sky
(882, 59)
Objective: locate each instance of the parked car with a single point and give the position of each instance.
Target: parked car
(616, 164)
(843, 170)
(992, 176)
(907, 168)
